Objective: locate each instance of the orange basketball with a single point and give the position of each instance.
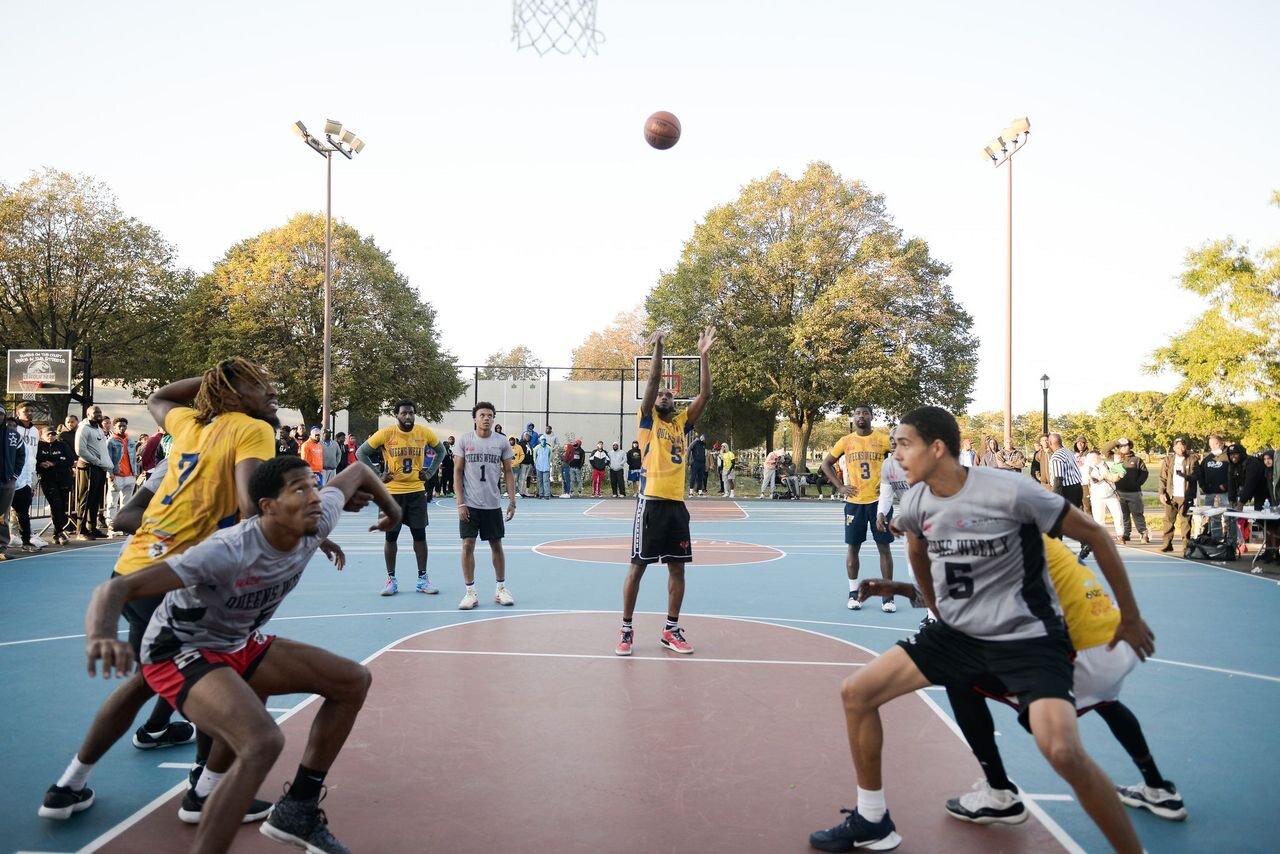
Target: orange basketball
(662, 130)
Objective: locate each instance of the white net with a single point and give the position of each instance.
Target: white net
(563, 26)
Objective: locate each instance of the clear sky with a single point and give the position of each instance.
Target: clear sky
(518, 196)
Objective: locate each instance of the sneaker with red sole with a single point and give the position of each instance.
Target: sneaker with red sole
(674, 641)
(624, 642)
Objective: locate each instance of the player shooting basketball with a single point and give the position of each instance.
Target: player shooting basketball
(661, 532)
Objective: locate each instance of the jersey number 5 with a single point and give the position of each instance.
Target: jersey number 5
(959, 584)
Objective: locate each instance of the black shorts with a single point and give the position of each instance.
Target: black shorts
(489, 524)
(413, 511)
(1030, 669)
(661, 532)
(860, 518)
(138, 614)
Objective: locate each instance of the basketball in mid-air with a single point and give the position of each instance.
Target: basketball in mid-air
(662, 130)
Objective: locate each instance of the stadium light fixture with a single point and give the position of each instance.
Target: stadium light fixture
(1000, 151)
(346, 144)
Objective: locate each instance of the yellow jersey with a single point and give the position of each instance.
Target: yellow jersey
(662, 461)
(862, 458)
(403, 454)
(1090, 615)
(198, 494)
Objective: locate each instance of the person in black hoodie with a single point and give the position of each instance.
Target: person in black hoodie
(698, 465)
(1246, 484)
(1129, 491)
(53, 468)
(13, 456)
(634, 460)
(1211, 483)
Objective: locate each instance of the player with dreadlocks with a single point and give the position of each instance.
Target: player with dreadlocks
(222, 424)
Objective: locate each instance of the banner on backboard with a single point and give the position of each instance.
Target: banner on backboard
(39, 372)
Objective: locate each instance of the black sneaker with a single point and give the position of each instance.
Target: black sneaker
(192, 804)
(178, 732)
(856, 832)
(303, 824)
(985, 805)
(61, 801)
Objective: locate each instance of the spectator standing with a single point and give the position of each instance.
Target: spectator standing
(517, 461)
(312, 451)
(351, 448)
(728, 476)
(1246, 485)
(1177, 490)
(769, 472)
(330, 453)
(341, 440)
(1129, 491)
(150, 455)
(527, 443)
(552, 439)
(571, 471)
(91, 473)
(635, 460)
(713, 467)
(13, 458)
(1081, 449)
(24, 485)
(1102, 492)
(53, 468)
(1211, 485)
(1040, 462)
(968, 456)
(617, 471)
(698, 465)
(122, 449)
(532, 436)
(599, 461)
(542, 454)
(286, 445)
(446, 468)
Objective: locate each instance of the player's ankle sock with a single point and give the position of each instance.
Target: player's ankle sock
(626, 625)
(76, 775)
(208, 780)
(158, 721)
(471, 588)
(422, 574)
(853, 585)
(871, 804)
(673, 623)
(501, 583)
(306, 785)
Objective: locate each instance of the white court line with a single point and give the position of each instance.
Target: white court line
(1030, 797)
(681, 660)
(278, 710)
(185, 766)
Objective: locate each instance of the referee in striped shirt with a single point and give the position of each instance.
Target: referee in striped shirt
(1064, 474)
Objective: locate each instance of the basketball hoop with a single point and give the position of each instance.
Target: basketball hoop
(671, 381)
(560, 25)
(31, 385)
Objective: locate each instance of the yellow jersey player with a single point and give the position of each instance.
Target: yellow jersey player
(407, 466)
(661, 530)
(221, 425)
(863, 451)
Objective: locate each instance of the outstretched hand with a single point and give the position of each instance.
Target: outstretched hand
(334, 553)
(705, 340)
(659, 335)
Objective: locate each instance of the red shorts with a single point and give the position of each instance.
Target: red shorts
(173, 679)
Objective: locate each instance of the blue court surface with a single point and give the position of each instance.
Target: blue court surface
(1207, 701)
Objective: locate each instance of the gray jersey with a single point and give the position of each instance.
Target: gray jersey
(235, 581)
(990, 576)
(482, 473)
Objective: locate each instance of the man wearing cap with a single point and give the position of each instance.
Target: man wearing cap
(1129, 491)
(1177, 490)
(312, 451)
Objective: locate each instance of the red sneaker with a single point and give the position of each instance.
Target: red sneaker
(624, 643)
(674, 641)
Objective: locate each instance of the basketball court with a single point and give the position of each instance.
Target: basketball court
(518, 729)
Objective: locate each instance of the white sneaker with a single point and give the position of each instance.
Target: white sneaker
(503, 596)
(565, 495)
(1166, 803)
(985, 805)
(37, 542)
(469, 601)
(854, 604)
(889, 607)
(731, 495)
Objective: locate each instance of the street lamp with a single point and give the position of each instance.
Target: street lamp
(1044, 386)
(999, 151)
(344, 142)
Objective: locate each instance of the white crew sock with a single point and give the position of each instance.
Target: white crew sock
(208, 780)
(853, 585)
(871, 805)
(76, 775)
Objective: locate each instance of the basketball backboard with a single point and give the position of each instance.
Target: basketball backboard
(681, 374)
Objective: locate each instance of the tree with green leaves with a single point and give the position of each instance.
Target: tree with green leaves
(819, 302)
(518, 363)
(265, 300)
(75, 269)
(1230, 352)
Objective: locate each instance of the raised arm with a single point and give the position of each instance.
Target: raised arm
(705, 340)
(355, 479)
(655, 373)
(175, 394)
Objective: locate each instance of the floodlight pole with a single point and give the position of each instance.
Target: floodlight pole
(347, 144)
(1001, 151)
